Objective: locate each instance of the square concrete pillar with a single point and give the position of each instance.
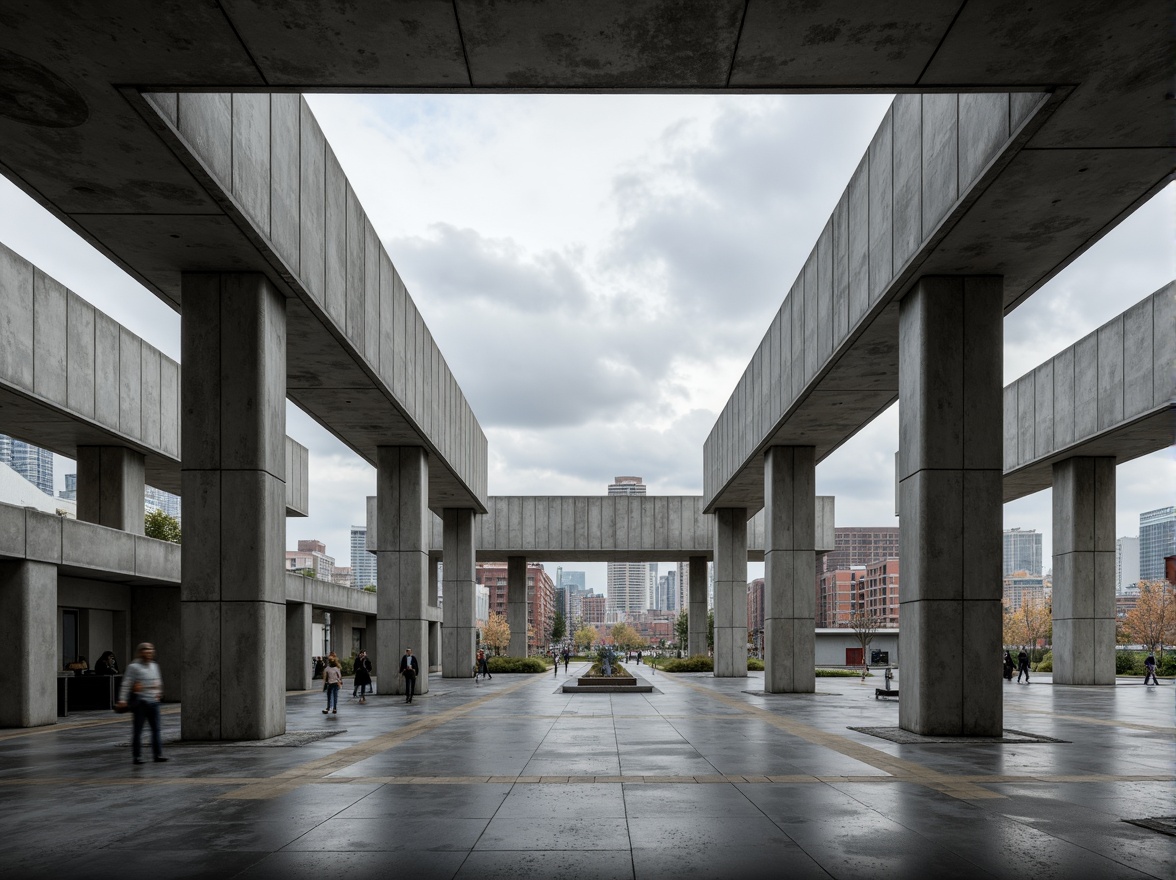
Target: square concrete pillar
(790, 569)
(696, 613)
(157, 617)
(111, 487)
(402, 562)
(731, 592)
(1084, 571)
(28, 631)
(457, 647)
(299, 647)
(434, 658)
(434, 591)
(516, 605)
(233, 453)
(950, 471)
(370, 640)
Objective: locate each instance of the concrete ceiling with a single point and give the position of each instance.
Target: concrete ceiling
(73, 134)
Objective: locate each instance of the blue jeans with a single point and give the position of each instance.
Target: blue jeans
(332, 696)
(146, 710)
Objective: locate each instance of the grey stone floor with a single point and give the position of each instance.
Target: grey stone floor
(514, 779)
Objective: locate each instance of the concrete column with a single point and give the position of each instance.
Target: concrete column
(1084, 571)
(696, 638)
(233, 453)
(731, 592)
(434, 592)
(28, 631)
(402, 562)
(434, 658)
(790, 569)
(111, 488)
(950, 471)
(299, 649)
(516, 605)
(157, 617)
(457, 649)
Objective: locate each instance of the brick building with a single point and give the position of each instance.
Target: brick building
(540, 599)
(879, 591)
(593, 610)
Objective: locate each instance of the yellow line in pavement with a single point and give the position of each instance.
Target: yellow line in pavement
(897, 767)
(318, 769)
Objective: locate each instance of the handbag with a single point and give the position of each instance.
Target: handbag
(130, 704)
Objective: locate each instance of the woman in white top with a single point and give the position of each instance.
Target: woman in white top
(142, 689)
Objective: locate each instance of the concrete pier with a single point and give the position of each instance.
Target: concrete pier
(233, 449)
(790, 565)
(730, 592)
(516, 604)
(28, 630)
(299, 646)
(1084, 571)
(402, 563)
(950, 361)
(460, 626)
(696, 634)
(111, 487)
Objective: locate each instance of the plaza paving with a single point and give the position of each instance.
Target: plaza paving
(513, 778)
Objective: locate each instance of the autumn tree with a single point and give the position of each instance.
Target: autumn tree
(584, 638)
(625, 637)
(496, 633)
(1152, 623)
(1029, 623)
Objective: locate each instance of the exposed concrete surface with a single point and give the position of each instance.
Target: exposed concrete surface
(71, 378)
(1112, 393)
(28, 630)
(604, 528)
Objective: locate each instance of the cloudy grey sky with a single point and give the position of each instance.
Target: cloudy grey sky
(597, 271)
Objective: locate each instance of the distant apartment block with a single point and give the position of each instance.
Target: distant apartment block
(540, 598)
(1022, 551)
(1022, 586)
(628, 582)
(363, 562)
(31, 462)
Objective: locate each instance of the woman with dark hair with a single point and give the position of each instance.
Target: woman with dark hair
(107, 664)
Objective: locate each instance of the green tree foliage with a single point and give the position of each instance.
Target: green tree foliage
(370, 588)
(161, 526)
(625, 637)
(710, 629)
(682, 628)
(559, 627)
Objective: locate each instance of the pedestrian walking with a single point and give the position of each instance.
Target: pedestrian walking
(332, 681)
(1023, 667)
(1008, 666)
(363, 676)
(409, 668)
(567, 656)
(483, 665)
(1149, 670)
(141, 692)
(638, 658)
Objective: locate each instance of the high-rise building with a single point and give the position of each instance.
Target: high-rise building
(70, 492)
(859, 545)
(837, 591)
(1126, 564)
(1020, 587)
(154, 499)
(1022, 551)
(1157, 539)
(628, 582)
(312, 556)
(363, 563)
(878, 592)
(31, 462)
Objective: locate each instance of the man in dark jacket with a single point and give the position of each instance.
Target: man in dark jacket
(1023, 666)
(409, 668)
(363, 676)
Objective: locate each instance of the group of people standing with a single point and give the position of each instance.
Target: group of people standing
(1022, 666)
(330, 670)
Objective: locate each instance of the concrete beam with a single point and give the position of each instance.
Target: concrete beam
(1112, 393)
(100, 386)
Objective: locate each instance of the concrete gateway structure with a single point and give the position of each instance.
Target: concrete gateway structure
(1019, 136)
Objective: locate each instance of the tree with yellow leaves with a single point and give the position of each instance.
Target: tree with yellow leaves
(1028, 624)
(496, 633)
(1152, 622)
(625, 637)
(584, 638)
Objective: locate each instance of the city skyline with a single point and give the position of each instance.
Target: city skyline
(649, 274)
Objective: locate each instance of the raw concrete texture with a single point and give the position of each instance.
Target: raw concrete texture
(516, 604)
(233, 391)
(949, 472)
(1083, 605)
(111, 487)
(730, 649)
(457, 646)
(28, 629)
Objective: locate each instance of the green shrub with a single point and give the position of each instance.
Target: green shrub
(516, 664)
(839, 673)
(755, 665)
(1124, 662)
(1167, 666)
(697, 663)
(617, 669)
(1046, 663)
(347, 665)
